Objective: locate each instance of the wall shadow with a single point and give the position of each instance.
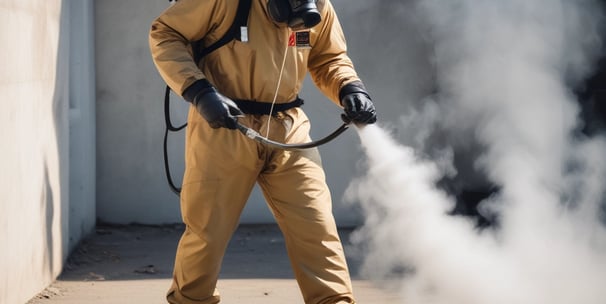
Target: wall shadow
(55, 155)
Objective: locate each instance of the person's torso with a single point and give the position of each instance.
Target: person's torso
(251, 69)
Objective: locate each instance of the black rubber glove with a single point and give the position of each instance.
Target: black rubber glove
(357, 104)
(218, 110)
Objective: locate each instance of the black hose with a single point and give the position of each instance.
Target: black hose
(256, 136)
(169, 127)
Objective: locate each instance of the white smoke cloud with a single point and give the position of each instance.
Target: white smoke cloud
(505, 68)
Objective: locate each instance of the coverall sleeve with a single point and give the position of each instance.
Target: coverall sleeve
(170, 36)
(329, 65)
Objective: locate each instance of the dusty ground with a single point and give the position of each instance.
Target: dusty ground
(133, 264)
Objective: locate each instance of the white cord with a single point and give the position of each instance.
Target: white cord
(271, 110)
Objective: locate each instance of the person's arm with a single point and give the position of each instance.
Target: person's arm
(329, 65)
(333, 72)
(169, 42)
(170, 36)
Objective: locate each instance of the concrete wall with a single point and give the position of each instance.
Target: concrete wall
(130, 181)
(130, 122)
(35, 214)
(34, 127)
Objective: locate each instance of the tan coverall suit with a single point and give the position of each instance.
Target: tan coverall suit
(222, 165)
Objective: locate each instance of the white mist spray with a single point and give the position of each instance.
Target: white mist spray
(504, 68)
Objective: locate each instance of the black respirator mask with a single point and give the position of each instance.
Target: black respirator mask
(296, 13)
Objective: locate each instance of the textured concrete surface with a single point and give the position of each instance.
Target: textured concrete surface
(133, 264)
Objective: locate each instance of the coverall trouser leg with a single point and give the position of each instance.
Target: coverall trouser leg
(222, 166)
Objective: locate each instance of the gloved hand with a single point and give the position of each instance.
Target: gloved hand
(218, 110)
(357, 104)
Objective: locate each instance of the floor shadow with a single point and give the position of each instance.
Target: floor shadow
(139, 252)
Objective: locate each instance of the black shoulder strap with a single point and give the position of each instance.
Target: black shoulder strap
(234, 32)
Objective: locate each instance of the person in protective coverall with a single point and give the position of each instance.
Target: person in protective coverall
(238, 83)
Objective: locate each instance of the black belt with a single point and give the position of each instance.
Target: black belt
(264, 108)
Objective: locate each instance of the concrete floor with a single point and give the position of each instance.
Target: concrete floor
(133, 264)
